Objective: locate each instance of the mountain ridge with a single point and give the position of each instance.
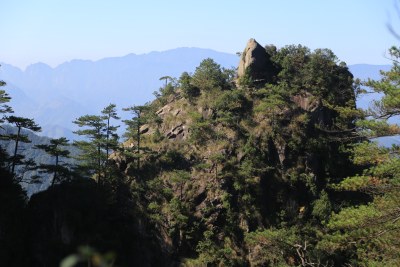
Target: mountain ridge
(85, 86)
(78, 87)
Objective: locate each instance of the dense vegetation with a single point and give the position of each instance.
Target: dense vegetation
(275, 167)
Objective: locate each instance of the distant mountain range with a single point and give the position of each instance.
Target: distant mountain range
(57, 96)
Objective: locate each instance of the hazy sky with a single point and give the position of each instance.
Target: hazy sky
(54, 31)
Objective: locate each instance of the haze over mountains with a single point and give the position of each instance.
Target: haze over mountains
(57, 96)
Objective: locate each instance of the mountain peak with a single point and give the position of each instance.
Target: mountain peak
(255, 61)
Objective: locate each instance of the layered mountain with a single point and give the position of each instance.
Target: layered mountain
(220, 169)
(57, 96)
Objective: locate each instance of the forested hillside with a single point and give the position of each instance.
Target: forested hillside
(268, 165)
(56, 96)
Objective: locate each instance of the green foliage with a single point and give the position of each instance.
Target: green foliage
(169, 89)
(4, 98)
(201, 129)
(275, 102)
(322, 207)
(317, 72)
(101, 140)
(371, 230)
(180, 177)
(20, 123)
(376, 128)
(389, 105)
(92, 157)
(189, 91)
(166, 78)
(246, 80)
(233, 101)
(111, 137)
(59, 169)
(142, 115)
(272, 247)
(271, 174)
(366, 153)
(157, 136)
(215, 254)
(209, 75)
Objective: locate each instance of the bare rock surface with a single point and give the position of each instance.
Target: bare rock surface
(256, 62)
(306, 101)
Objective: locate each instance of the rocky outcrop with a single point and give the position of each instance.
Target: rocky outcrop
(179, 132)
(164, 110)
(306, 101)
(251, 158)
(144, 129)
(256, 62)
(206, 113)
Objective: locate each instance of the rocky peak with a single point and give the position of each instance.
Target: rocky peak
(256, 59)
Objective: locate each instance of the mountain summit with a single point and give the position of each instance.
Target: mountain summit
(220, 160)
(255, 60)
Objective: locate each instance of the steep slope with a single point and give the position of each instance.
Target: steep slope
(220, 161)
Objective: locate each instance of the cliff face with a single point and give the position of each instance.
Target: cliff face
(220, 165)
(256, 62)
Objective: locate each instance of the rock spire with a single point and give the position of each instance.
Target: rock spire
(256, 62)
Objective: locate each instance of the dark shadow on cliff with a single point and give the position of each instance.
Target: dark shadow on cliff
(12, 221)
(81, 212)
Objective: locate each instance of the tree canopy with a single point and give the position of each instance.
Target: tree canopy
(219, 170)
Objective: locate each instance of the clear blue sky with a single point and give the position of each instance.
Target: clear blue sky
(54, 31)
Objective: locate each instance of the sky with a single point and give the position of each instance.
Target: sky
(55, 31)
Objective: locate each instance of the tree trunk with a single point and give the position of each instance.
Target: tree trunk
(99, 161)
(138, 142)
(55, 172)
(15, 151)
(107, 145)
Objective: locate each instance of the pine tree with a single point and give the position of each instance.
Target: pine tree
(56, 148)
(133, 129)
(371, 230)
(111, 142)
(189, 91)
(92, 155)
(102, 140)
(4, 109)
(209, 75)
(166, 78)
(20, 123)
(4, 98)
